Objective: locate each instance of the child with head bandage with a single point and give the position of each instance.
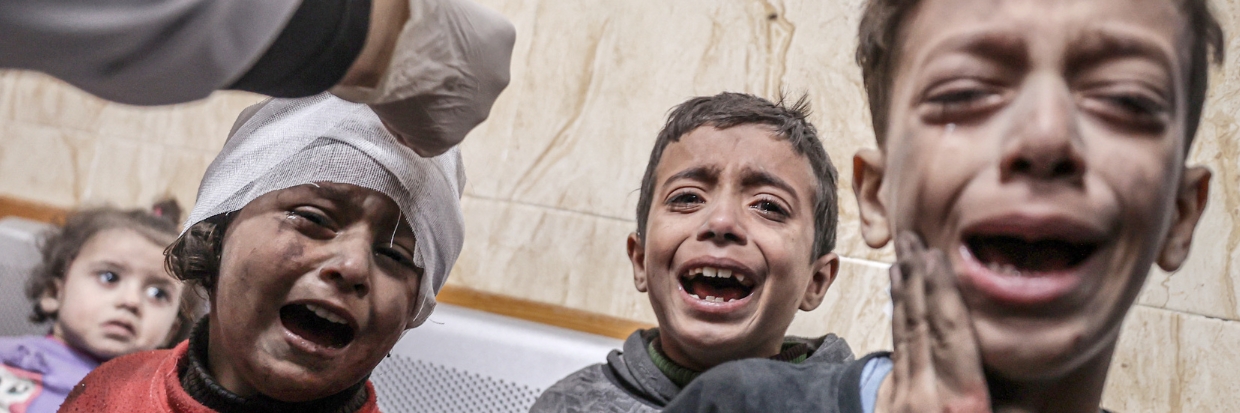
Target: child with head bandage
(320, 239)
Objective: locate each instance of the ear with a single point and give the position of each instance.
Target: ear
(1190, 202)
(824, 269)
(637, 256)
(52, 296)
(868, 169)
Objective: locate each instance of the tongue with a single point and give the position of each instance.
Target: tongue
(702, 288)
(303, 322)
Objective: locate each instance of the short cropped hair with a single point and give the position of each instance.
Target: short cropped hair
(880, 35)
(726, 110)
(61, 246)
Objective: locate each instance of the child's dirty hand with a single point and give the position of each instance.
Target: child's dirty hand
(936, 364)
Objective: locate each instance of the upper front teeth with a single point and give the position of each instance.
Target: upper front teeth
(322, 312)
(714, 272)
(1004, 268)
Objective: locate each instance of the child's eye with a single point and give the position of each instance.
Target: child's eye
(395, 255)
(960, 100)
(312, 222)
(108, 277)
(158, 293)
(770, 207)
(684, 200)
(1130, 109)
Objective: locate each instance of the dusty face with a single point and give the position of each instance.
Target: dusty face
(727, 256)
(316, 285)
(1040, 144)
(116, 297)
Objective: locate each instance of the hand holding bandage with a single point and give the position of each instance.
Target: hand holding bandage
(937, 365)
(445, 70)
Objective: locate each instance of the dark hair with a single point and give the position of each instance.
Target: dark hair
(195, 256)
(726, 110)
(880, 35)
(61, 246)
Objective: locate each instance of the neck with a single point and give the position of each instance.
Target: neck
(1079, 391)
(225, 374)
(704, 359)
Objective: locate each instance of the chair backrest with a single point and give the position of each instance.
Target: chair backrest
(464, 360)
(19, 254)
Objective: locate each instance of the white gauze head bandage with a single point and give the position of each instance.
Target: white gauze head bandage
(282, 143)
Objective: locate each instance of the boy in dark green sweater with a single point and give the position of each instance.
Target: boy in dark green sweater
(735, 227)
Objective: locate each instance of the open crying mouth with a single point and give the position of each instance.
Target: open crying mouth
(716, 284)
(1017, 256)
(317, 325)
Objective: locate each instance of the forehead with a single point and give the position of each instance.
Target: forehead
(736, 149)
(121, 243)
(123, 246)
(1039, 25)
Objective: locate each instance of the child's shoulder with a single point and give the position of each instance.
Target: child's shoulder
(32, 353)
(136, 381)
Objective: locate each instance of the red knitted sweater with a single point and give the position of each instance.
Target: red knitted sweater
(147, 382)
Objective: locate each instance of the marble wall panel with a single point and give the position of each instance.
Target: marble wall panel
(593, 85)
(857, 307)
(1168, 361)
(553, 256)
(44, 163)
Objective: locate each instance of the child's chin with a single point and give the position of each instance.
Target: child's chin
(297, 391)
(1040, 356)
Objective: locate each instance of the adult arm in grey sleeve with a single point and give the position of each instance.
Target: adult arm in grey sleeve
(141, 51)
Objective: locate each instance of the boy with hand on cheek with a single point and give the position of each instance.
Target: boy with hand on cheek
(735, 227)
(320, 239)
(1038, 148)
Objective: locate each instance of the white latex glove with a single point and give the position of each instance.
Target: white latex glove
(449, 64)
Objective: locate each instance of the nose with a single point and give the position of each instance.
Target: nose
(1045, 142)
(349, 267)
(131, 298)
(723, 225)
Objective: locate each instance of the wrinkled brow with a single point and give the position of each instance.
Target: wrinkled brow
(1006, 49)
(752, 178)
(705, 174)
(1099, 45)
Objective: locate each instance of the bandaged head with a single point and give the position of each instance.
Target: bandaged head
(282, 143)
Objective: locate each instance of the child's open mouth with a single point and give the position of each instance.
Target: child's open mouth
(1017, 256)
(317, 325)
(1028, 263)
(718, 285)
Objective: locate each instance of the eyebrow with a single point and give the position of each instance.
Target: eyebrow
(1099, 44)
(705, 174)
(1003, 48)
(751, 178)
(331, 193)
(110, 265)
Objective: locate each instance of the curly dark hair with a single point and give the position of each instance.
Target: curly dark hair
(195, 256)
(61, 246)
(789, 122)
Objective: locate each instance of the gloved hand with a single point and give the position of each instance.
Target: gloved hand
(449, 64)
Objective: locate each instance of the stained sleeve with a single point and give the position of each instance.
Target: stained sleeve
(144, 52)
(761, 385)
(313, 52)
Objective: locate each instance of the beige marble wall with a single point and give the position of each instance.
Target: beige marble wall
(554, 172)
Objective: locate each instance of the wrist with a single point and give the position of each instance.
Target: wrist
(387, 20)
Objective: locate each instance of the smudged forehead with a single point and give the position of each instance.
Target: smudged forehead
(1068, 29)
(753, 153)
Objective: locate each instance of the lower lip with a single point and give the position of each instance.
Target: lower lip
(1040, 288)
(117, 329)
(713, 308)
(309, 347)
